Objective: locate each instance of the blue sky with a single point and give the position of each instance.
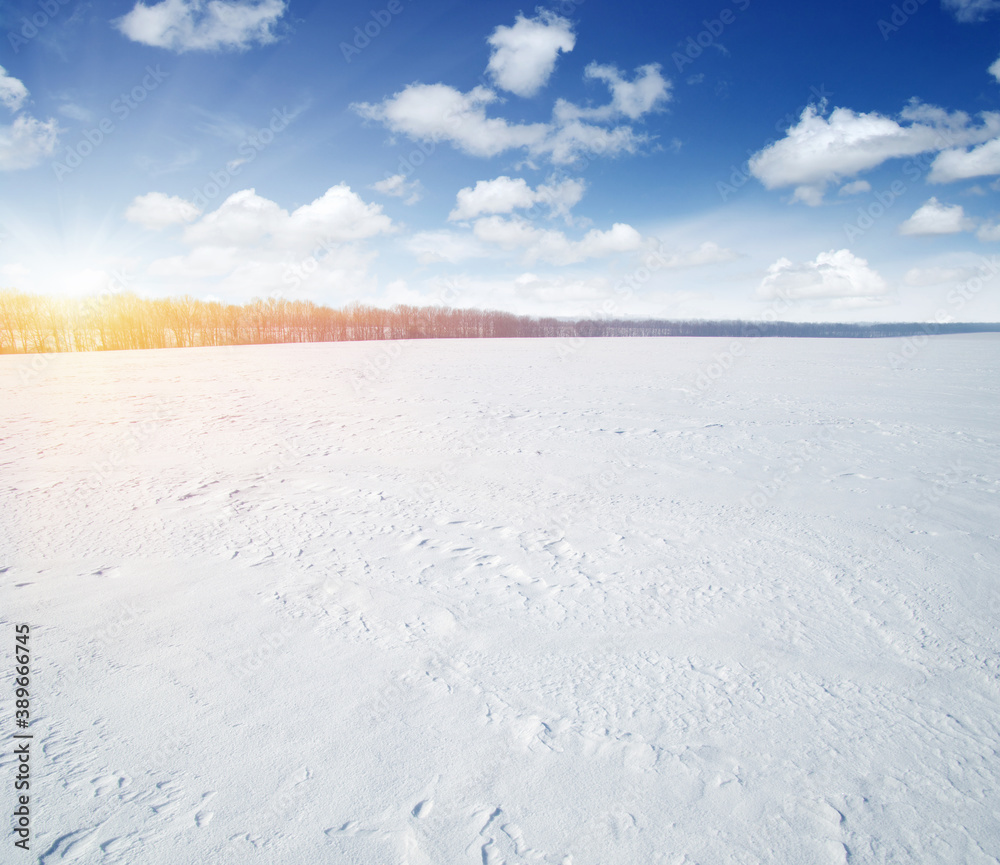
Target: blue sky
(724, 159)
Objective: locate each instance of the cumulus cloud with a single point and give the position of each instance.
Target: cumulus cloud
(811, 195)
(194, 25)
(397, 186)
(989, 233)
(933, 217)
(835, 274)
(501, 195)
(247, 220)
(157, 210)
(570, 141)
(12, 91)
(491, 236)
(971, 10)
(244, 219)
(708, 253)
(958, 164)
(524, 55)
(26, 141)
(505, 194)
(854, 188)
(820, 150)
(233, 272)
(562, 292)
(553, 246)
(432, 247)
(252, 243)
(338, 216)
(437, 112)
(647, 92)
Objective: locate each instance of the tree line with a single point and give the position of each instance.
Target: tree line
(37, 323)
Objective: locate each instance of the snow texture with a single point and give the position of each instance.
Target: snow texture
(534, 601)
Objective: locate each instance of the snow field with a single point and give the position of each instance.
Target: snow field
(509, 602)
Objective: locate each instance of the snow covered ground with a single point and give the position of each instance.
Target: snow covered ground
(622, 601)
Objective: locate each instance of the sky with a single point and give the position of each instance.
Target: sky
(719, 159)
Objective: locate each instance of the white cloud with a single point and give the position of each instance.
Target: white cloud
(819, 150)
(157, 210)
(437, 112)
(994, 69)
(201, 263)
(253, 244)
(521, 62)
(839, 274)
(854, 188)
(933, 217)
(246, 220)
(194, 25)
(505, 194)
(971, 10)
(989, 233)
(558, 291)
(572, 140)
(26, 142)
(431, 247)
(12, 91)
(647, 92)
(501, 195)
(491, 235)
(338, 216)
(811, 195)
(708, 253)
(958, 164)
(242, 220)
(396, 186)
(524, 55)
(233, 272)
(553, 246)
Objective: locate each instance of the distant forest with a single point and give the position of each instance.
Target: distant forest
(37, 324)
